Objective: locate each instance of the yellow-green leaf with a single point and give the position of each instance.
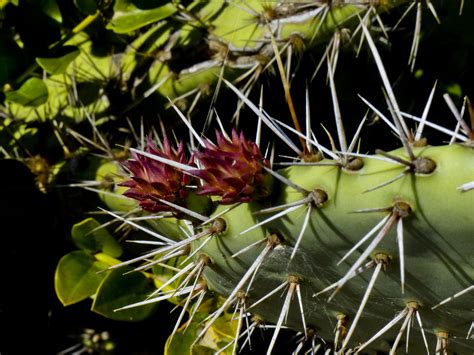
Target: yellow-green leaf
(217, 337)
(77, 276)
(120, 289)
(32, 93)
(59, 63)
(128, 17)
(88, 235)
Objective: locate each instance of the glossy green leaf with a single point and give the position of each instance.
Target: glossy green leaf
(214, 339)
(59, 64)
(181, 343)
(32, 93)
(129, 17)
(120, 289)
(77, 277)
(225, 326)
(88, 235)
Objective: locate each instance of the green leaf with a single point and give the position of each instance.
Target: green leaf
(213, 340)
(4, 3)
(182, 341)
(89, 236)
(120, 289)
(77, 277)
(32, 93)
(128, 17)
(59, 64)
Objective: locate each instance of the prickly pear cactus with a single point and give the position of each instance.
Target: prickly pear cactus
(357, 252)
(354, 250)
(357, 247)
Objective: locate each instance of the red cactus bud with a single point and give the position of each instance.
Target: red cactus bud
(152, 180)
(232, 169)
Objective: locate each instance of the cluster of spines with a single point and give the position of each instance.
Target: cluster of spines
(179, 178)
(342, 157)
(194, 271)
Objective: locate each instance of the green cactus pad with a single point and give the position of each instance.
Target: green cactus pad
(437, 238)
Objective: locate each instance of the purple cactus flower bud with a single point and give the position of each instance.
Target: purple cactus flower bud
(152, 181)
(232, 169)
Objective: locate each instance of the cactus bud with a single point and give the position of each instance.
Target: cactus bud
(153, 181)
(232, 169)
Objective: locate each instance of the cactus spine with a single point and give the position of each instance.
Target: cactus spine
(351, 250)
(323, 227)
